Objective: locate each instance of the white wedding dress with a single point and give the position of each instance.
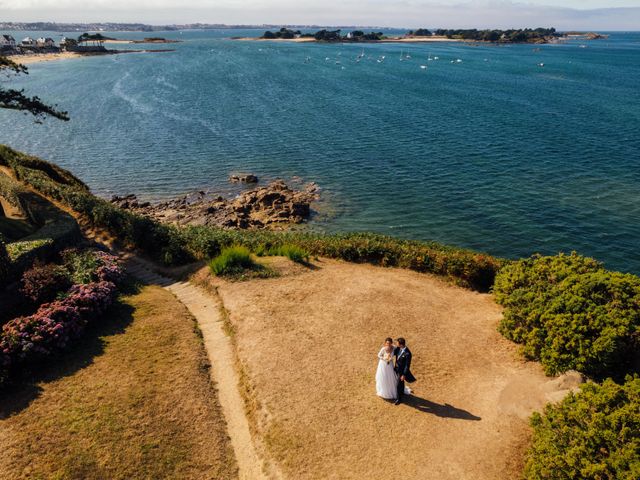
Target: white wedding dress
(386, 378)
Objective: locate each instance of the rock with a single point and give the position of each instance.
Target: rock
(243, 178)
(273, 206)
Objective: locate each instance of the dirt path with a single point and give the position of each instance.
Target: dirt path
(308, 343)
(206, 310)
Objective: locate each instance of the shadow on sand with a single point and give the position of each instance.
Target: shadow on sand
(439, 410)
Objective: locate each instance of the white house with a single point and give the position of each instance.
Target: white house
(7, 41)
(28, 42)
(40, 42)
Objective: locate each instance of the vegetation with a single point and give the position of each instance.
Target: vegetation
(421, 32)
(292, 252)
(591, 435)
(232, 260)
(526, 35)
(57, 324)
(325, 35)
(570, 313)
(282, 33)
(17, 100)
(42, 283)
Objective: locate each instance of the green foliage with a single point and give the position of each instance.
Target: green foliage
(570, 313)
(161, 242)
(467, 268)
(81, 265)
(232, 260)
(591, 435)
(18, 250)
(292, 252)
(526, 35)
(17, 100)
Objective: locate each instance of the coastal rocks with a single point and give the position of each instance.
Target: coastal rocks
(243, 178)
(273, 207)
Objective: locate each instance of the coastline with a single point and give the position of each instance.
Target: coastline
(386, 40)
(48, 57)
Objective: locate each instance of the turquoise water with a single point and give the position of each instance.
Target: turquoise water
(493, 153)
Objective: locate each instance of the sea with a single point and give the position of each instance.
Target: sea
(510, 150)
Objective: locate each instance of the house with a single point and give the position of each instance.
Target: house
(7, 42)
(49, 43)
(28, 42)
(40, 42)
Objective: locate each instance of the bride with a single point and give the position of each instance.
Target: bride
(386, 378)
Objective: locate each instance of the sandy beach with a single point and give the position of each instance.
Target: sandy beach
(44, 57)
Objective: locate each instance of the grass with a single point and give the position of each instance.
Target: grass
(292, 252)
(133, 402)
(236, 263)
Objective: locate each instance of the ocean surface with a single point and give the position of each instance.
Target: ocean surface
(493, 152)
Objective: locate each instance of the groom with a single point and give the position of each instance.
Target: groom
(402, 368)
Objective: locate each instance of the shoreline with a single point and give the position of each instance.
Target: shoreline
(386, 40)
(53, 56)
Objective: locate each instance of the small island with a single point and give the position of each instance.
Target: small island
(511, 36)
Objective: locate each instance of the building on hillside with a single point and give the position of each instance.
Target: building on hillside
(49, 42)
(28, 42)
(7, 42)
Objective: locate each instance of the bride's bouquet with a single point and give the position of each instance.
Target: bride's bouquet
(387, 357)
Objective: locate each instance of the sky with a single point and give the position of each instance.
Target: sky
(564, 15)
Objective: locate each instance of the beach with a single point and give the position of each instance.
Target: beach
(44, 57)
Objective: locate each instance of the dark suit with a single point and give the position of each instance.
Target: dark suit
(403, 368)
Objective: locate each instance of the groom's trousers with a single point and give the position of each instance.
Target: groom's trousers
(400, 389)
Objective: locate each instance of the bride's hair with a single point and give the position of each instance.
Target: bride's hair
(388, 339)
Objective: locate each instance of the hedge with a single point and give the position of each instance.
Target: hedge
(568, 312)
(56, 325)
(591, 435)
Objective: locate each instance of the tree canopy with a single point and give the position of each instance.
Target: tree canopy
(16, 99)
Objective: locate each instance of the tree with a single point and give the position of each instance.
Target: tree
(17, 100)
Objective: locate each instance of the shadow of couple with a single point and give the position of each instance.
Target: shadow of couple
(439, 410)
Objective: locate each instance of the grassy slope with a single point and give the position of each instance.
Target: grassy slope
(134, 402)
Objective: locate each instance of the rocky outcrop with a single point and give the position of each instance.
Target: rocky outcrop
(274, 206)
(243, 178)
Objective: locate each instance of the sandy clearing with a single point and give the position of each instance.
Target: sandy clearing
(309, 342)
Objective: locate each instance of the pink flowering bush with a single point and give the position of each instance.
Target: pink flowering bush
(57, 324)
(92, 265)
(41, 283)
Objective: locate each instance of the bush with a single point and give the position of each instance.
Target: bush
(86, 266)
(292, 252)
(42, 283)
(231, 261)
(570, 313)
(591, 435)
(53, 327)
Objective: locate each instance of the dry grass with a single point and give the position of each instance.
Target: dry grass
(308, 343)
(133, 403)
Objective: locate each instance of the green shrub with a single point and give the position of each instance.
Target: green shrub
(467, 268)
(232, 260)
(292, 252)
(591, 435)
(570, 313)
